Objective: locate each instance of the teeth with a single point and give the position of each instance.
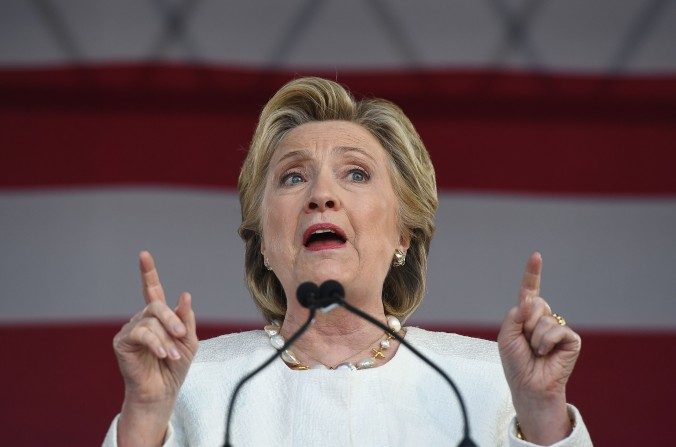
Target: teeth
(326, 230)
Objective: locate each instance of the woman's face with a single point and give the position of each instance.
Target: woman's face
(329, 210)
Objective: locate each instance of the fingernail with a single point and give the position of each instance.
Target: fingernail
(178, 329)
(541, 351)
(175, 354)
(162, 352)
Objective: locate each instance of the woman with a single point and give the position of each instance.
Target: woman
(344, 190)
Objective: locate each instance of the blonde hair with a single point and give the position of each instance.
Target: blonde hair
(314, 99)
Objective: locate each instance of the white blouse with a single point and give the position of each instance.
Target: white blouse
(401, 403)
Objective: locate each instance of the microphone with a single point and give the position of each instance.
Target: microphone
(331, 293)
(307, 294)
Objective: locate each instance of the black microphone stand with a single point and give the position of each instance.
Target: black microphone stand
(466, 440)
(332, 292)
(246, 378)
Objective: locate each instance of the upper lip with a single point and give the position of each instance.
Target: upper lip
(323, 226)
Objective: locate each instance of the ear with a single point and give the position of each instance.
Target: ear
(262, 245)
(404, 241)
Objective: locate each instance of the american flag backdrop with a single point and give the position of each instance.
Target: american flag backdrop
(123, 125)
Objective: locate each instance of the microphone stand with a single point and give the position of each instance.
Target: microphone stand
(466, 440)
(246, 378)
(331, 294)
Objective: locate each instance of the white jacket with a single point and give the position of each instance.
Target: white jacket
(401, 403)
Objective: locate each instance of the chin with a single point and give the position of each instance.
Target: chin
(329, 270)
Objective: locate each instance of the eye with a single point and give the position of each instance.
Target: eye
(292, 178)
(358, 175)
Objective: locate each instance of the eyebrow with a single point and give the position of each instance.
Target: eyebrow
(340, 150)
(344, 149)
(300, 154)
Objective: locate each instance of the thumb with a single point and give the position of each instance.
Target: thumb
(512, 325)
(185, 313)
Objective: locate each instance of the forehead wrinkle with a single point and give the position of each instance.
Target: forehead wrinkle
(346, 137)
(304, 154)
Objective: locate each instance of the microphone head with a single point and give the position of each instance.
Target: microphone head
(307, 294)
(331, 291)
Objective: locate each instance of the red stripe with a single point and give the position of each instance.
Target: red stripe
(189, 126)
(62, 387)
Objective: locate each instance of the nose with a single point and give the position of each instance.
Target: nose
(321, 205)
(322, 195)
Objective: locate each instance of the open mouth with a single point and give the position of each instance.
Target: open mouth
(323, 237)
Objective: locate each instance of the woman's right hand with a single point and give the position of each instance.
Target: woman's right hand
(154, 351)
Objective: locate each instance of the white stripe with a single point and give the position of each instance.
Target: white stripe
(71, 254)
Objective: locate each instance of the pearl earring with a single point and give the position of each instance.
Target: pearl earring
(266, 263)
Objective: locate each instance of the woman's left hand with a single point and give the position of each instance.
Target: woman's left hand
(538, 355)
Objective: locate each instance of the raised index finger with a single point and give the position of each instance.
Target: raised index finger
(530, 283)
(152, 288)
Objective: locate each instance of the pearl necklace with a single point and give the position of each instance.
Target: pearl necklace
(277, 342)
